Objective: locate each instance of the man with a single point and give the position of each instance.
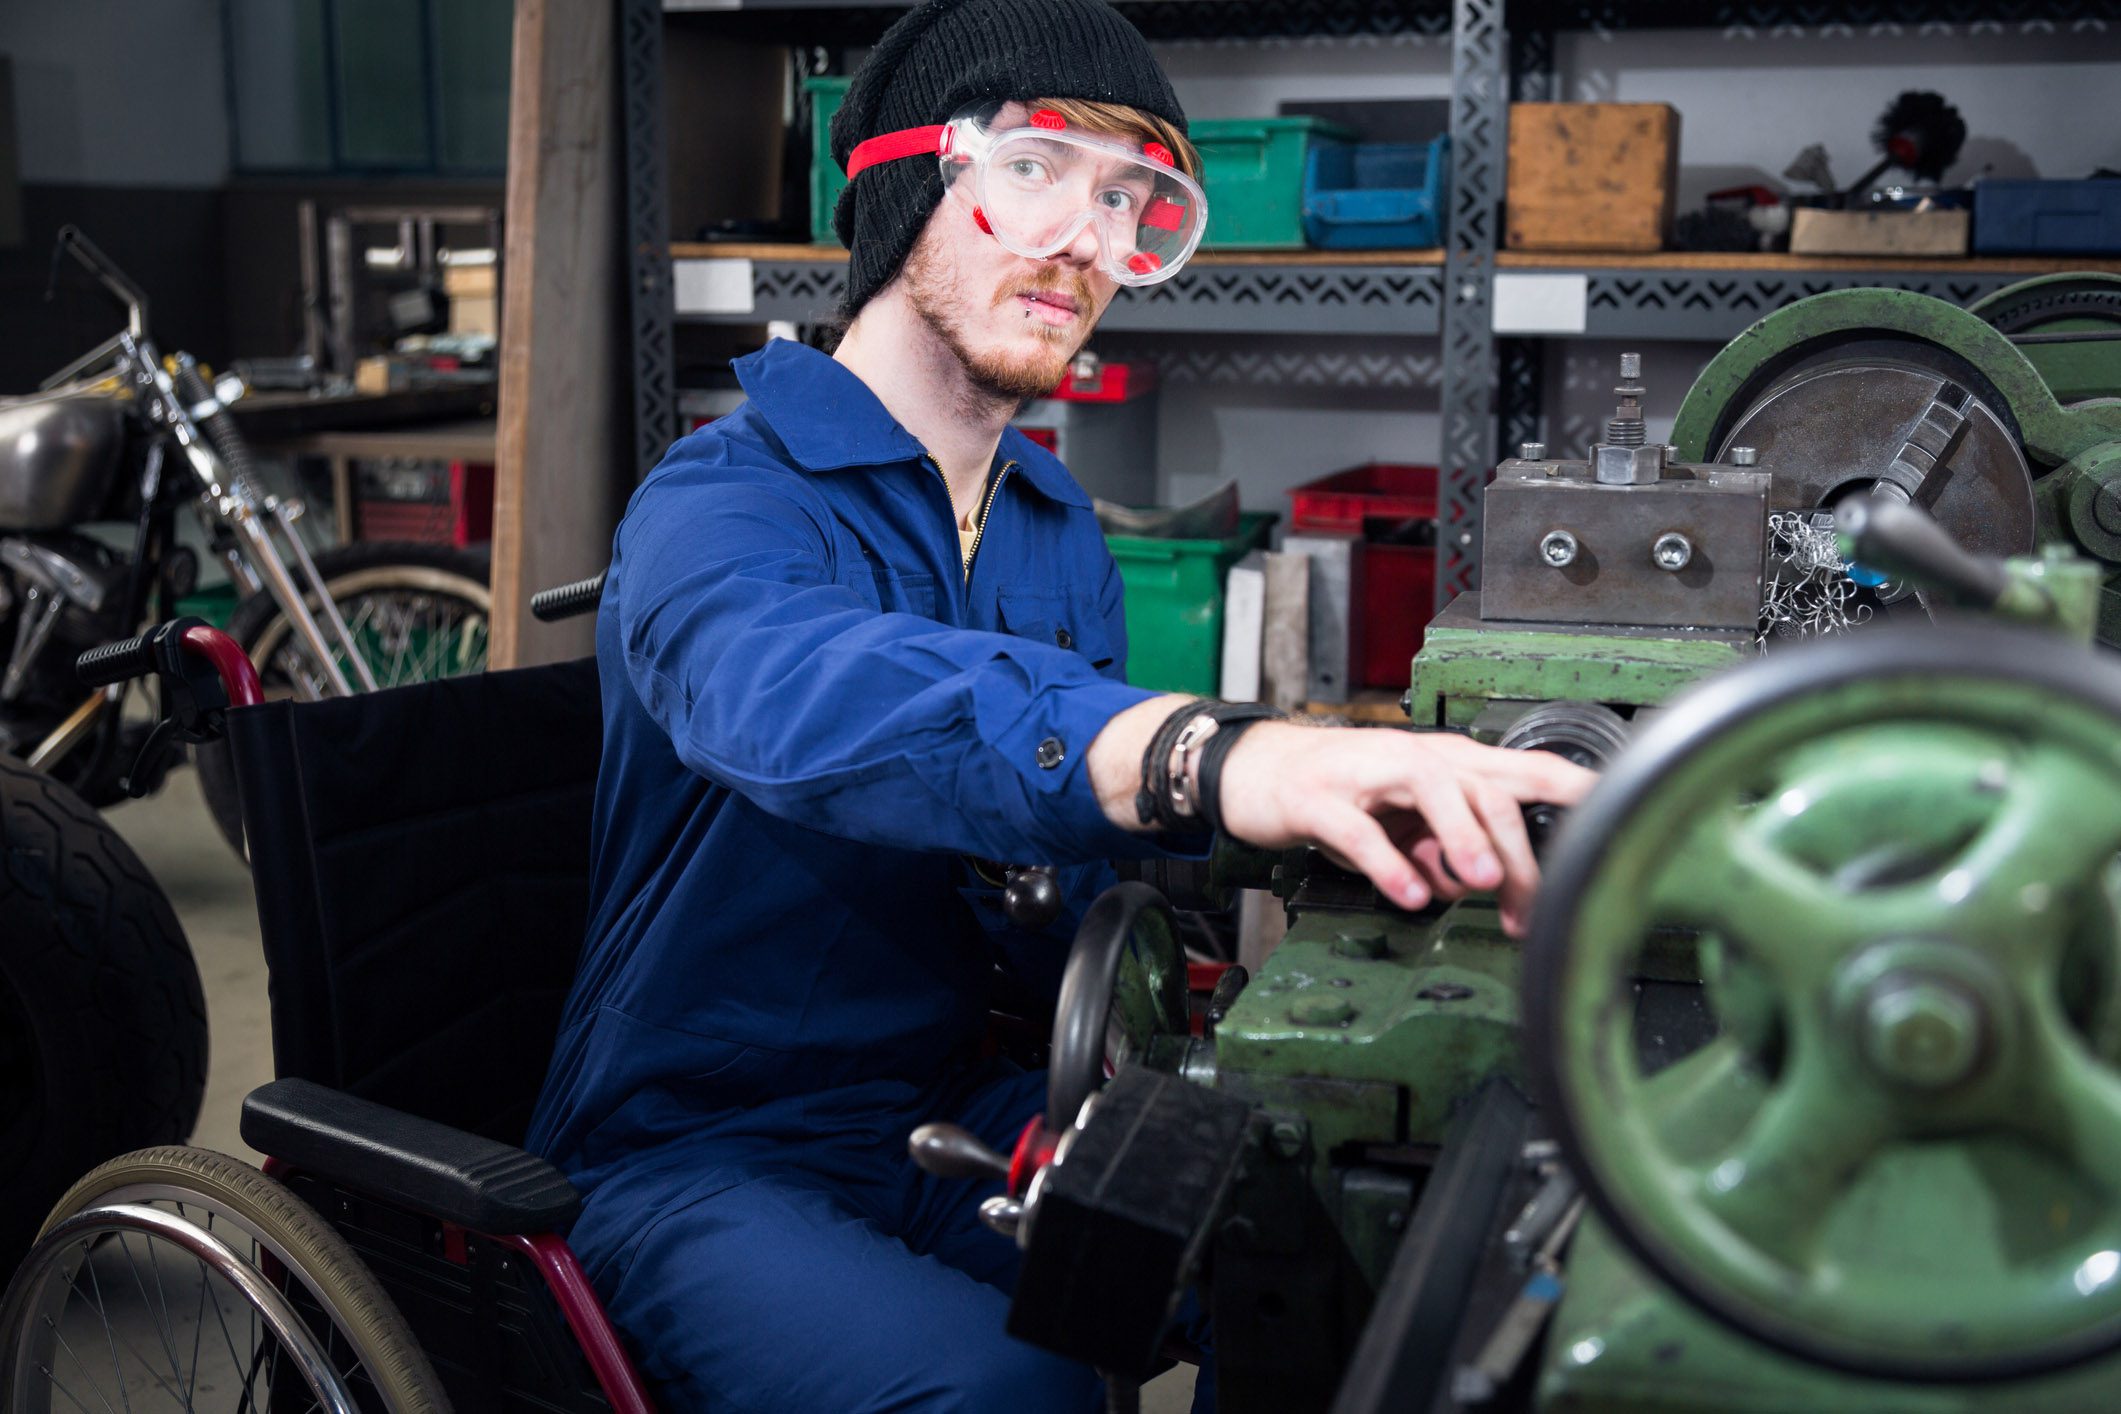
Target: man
(854, 635)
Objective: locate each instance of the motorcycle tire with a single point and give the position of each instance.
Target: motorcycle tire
(354, 574)
(102, 1020)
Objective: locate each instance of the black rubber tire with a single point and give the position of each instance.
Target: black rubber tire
(253, 625)
(102, 1021)
(369, 1322)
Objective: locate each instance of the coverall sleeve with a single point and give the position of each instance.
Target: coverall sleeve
(776, 680)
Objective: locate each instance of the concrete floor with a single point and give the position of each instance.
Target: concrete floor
(211, 892)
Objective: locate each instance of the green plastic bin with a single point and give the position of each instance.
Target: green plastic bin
(1175, 604)
(1255, 177)
(826, 178)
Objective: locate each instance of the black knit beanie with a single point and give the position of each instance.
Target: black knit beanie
(947, 55)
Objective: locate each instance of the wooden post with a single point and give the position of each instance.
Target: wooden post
(562, 449)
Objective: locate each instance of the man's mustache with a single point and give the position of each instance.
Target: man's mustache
(1053, 281)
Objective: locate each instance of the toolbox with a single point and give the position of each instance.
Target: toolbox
(827, 181)
(1392, 507)
(2013, 217)
(1175, 603)
(1253, 170)
(1376, 195)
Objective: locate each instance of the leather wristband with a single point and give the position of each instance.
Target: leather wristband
(1153, 804)
(1233, 720)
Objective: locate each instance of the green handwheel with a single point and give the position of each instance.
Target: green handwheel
(1901, 1154)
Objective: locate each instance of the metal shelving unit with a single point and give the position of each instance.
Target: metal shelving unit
(1501, 50)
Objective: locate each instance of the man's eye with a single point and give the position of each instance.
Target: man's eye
(1027, 169)
(1118, 199)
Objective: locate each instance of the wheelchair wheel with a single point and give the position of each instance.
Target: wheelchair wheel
(185, 1276)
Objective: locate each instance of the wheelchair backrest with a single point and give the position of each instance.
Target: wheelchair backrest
(421, 858)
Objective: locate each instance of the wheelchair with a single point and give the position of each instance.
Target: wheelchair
(399, 1252)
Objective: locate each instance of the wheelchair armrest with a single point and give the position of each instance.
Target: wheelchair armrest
(432, 1168)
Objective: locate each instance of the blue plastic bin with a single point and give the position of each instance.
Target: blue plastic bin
(2017, 217)
(1376, 195)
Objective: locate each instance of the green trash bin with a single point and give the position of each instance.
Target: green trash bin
(1175, 604)
(1254, 170)
(827, 181)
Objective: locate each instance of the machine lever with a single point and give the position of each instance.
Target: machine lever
(1002, 1213)
(1889, 536)
(947, 1151)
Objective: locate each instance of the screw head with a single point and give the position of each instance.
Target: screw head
(1672, 551)
(1532, 451)
(1445, 992)
(1558, 548)
(1287, 1138)
(1631, 366)
(1745, 456)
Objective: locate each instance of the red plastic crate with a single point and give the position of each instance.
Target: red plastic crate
(1395, 596)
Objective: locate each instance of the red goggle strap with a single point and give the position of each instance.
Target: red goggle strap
(889, 147)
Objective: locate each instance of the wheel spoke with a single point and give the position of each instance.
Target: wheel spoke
(162, 1331)
(89, 1374)
(2051, 840)
(1775, 1187)
(1724, 879)
(110, 1335)
(2071, 1101)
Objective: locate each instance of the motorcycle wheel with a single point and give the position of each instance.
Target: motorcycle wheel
(418, 612)
(102, 1020)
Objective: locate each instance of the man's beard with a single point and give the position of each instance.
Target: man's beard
(1011, 379)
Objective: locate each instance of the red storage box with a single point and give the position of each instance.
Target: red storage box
(1396, 594)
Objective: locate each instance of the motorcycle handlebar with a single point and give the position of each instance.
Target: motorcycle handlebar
(81, 248)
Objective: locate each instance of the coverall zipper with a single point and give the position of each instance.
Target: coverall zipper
(979, 532)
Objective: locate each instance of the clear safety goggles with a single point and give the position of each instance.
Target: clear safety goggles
(1036, 186)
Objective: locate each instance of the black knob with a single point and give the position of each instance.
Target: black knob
(1033, 898)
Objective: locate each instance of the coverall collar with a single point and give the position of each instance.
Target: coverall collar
(829, 420)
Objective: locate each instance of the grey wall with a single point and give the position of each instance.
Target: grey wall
(118, 92)
(1269, 411)
(122, 130)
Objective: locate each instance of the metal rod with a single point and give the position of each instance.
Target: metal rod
(285, 518)
(265, 557)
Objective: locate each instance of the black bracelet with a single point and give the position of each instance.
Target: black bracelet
(1232, 720)
(1153, 804)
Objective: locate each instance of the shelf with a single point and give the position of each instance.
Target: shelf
(1254, 292)
(1700, 295)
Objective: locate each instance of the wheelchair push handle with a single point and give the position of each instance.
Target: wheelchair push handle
(177, 652)
(117, 662)
(567, 600)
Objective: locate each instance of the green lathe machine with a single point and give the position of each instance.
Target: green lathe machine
(1805, 1093)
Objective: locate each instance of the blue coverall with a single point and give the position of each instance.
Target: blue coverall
(810, 715)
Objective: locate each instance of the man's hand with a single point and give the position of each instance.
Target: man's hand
(1424, 815)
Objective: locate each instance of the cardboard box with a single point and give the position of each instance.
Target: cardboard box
(1920, 233)
(1591, 176)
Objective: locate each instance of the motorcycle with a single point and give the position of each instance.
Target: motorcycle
(123, 435)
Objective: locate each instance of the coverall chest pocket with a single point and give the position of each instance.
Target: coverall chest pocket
(1063, 621)
(888, 591)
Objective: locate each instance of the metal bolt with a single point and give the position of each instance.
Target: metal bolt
(1745, 456)
(1532, 451)
(1558, 548)
(1924, 1034)
(1321, 1011)
(1631, 366)
(1672, 551)
(1360, 943)
(1287, 1138)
